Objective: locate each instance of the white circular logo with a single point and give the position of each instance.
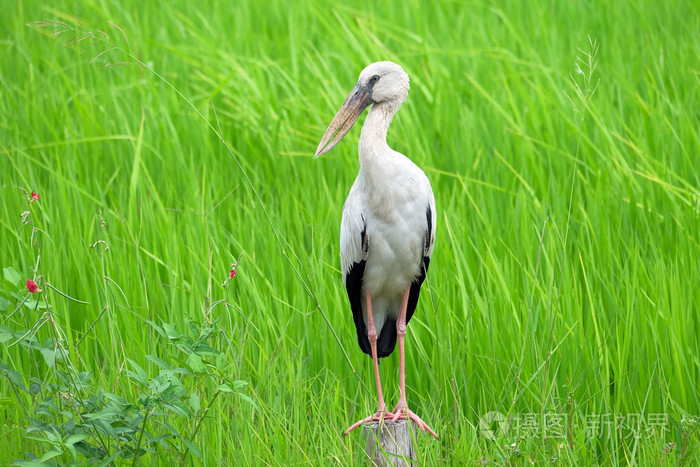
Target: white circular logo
(490, 423)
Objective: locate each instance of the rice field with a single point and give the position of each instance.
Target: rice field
(158, 189)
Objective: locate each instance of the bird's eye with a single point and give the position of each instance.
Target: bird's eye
(374, 79)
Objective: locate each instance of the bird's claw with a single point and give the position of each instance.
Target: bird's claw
(380, 416)
(401, 411)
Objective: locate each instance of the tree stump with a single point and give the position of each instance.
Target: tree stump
(392, 446)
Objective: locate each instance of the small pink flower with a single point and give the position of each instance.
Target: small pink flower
(232, 274)
(32, 287)
(35, 196)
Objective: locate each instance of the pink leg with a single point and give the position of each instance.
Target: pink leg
(372, 336)
(401, 410)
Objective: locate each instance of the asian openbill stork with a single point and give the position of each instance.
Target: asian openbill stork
(387, 229)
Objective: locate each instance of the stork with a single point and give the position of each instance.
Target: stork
(387, 229)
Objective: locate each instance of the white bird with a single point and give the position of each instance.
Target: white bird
(387, 230)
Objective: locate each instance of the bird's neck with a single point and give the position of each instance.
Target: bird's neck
(372, 146)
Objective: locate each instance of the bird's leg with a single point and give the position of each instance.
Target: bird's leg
(372, 336)
(401, 410)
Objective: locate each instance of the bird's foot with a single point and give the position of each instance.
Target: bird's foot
(380, 416)
(402, 411)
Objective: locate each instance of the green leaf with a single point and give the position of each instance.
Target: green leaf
(49, 455)
(182, 371)
(225, 388)
(31, 463)
(193, 448)
(49, 355)
(12, 276)
(33, 304)
(170, 331)
(239, 384)
(221, 361)
(247, 399)
(139, 374)
(179, 408)
(161, 364)
(194, 361)
(109, 460)
(157, 439)
(4, 304)
(105, 414)
(204, 349)
(72, 439)
(115, 398)
(195, 403)
(178, 388)
(159, 386)
(157, 328)
(5, 334)
(84, 379)
(16, 379)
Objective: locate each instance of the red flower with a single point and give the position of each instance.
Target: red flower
(35, 196)
(232, 274)
(32, 287)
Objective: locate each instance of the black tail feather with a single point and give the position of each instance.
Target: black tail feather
(387, 339)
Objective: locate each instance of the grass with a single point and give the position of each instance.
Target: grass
(563, 291)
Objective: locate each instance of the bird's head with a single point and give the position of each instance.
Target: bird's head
(383, 83)
(386, 81)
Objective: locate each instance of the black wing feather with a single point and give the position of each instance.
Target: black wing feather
(353, 284)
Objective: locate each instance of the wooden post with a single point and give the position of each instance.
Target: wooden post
(392, 446)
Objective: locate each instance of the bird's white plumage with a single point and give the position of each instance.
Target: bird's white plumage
(389, 201)
(387, 231)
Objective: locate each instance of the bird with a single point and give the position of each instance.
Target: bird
(387, 230)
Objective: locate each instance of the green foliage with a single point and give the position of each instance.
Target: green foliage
(171, 143)
(74, 422)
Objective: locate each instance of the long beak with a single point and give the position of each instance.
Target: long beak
(358, 100)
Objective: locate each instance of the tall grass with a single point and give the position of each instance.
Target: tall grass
(563, 289)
